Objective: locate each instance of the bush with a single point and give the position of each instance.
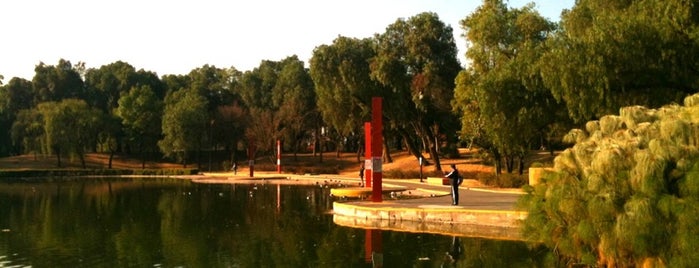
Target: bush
(627, 193)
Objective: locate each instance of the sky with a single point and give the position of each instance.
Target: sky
(177, 36)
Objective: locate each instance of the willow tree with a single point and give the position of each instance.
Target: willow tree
(416, 60)
(504, 105)
(615, 53)
(342, 77)
(69, 127)
(627, 193)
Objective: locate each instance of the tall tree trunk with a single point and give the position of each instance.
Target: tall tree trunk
(142, 153)
(521, 165)
(58, 154)
(434, 153)
(497, 161)
(387, 151)
(111, 158)
(184, 159)
(143, 158)
(81, 156)
(412, 147)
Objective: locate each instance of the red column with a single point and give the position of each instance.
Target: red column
(251, 157)
(367, 154)
(376, 148)
(279, 157)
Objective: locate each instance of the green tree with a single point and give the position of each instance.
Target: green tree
(295, 95)
(342, 77)
(28, 131)
(627, 193)
(504, 105)
(17, 95)
(257, 89)
(140, 112)
(69, 127)
(55, 83)
(416, 60)
(215, 85)
(611, 54)
(184, 124)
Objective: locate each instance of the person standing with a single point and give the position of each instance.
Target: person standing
(361, 174)
(455, 182)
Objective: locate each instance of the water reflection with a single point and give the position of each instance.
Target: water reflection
(119, 222)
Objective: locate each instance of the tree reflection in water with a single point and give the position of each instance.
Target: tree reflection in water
(163, 222)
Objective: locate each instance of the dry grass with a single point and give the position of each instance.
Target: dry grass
(346, 164)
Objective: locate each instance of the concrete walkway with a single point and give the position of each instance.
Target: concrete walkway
(482, 212)
(424, 207)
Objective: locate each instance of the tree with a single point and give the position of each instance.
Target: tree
(611, 54)
(17, 95)
(626, 194)
(295, 96)
(342, 77)
(28, 131)
(416, 60)
(56, 83)
(69, 127)
(504, 105)
(184, 124)
(215, 85)
(140, 112)
(257, 90)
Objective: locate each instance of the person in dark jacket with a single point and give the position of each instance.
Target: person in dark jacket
(455, 182)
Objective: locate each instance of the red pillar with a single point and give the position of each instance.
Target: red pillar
(376, 148)
(367, 154)
(251, 157)
(279, 157)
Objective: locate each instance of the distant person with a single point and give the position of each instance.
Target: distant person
(361, 174)
(456, 180)
(235, 168)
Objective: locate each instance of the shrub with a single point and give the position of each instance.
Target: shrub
(627, 193)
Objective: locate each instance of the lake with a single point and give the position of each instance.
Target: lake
(117, 222)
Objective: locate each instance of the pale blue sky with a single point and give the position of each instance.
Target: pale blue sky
(176, 36)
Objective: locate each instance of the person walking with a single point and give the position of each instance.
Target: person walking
(456, 180)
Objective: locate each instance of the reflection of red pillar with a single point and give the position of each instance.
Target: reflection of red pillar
(373, 248)
(279, 197)
(376, 148)
(367, 154)
(279, 157)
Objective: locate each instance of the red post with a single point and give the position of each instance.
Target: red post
(376, 148)
(367, 154)
(251, 157)
(279, 157)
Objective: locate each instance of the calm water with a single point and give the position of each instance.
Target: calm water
(175, 223)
